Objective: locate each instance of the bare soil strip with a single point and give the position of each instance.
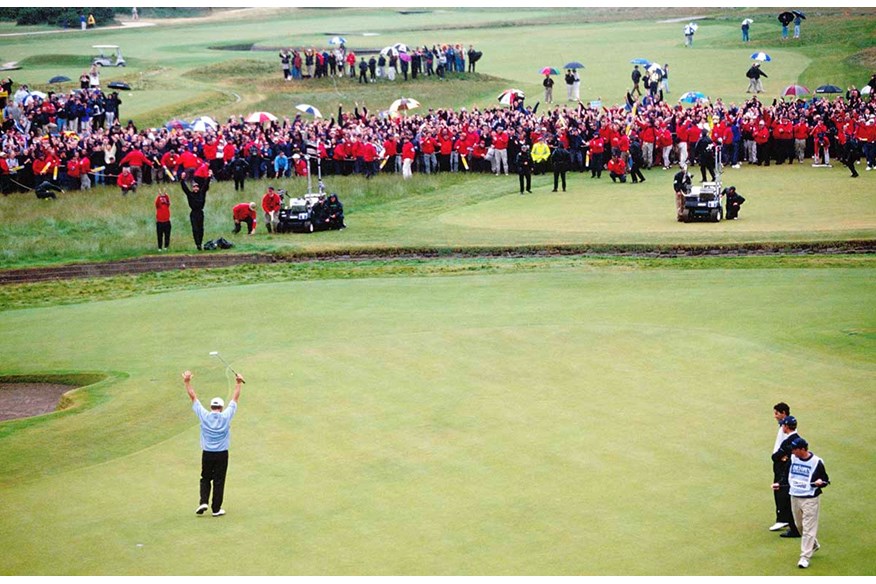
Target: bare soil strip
(222, 260)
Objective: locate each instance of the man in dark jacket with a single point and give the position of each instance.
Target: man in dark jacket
(560, 160)
(781, 463)
(734, 201)
(705, 153)
(636, 158)
(47, 190)
(524, 168)
(197, 199)
(754, 83)
(239, 168)
(682, 185)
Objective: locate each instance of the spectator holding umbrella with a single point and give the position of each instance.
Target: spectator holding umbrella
(548, 84)
(798, 19)
(746, 24)
(785, 18)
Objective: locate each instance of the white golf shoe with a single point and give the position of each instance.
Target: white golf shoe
(803, 563)
(201, 508)
(778, 526)
(219, 513)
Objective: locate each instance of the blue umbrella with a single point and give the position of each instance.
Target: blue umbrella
(338, 40)
(645, 62)
(573, 65)
(761, 56)
(693, 97)
(59, 79)
(828, 89)
(308, 109)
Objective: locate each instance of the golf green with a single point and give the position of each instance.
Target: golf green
(562, 421)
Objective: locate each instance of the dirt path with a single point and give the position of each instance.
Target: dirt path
(219, 259)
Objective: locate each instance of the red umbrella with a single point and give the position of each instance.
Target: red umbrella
(509, 96)
(795, 91)
(261, 117)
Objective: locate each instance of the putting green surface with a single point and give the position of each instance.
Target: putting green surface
(575, 421)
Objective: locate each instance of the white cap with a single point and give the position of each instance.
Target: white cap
(217, 402)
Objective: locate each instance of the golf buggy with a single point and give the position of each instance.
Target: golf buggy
(311, 211)
(704, 202)
(103, 60)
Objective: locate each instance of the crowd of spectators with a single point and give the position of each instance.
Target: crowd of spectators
(77, 140)
(398, 61)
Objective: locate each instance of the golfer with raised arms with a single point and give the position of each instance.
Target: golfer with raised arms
(215, 439)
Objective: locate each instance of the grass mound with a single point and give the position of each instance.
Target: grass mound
(36, 61)
(233, 68)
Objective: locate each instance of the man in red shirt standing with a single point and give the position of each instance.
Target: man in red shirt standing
(135, 159)
(162, 220)
(500, 150)
(244, 213)
(271, 205)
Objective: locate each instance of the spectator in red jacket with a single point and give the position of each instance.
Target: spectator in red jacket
(596, 148)
(801, 133)
(617, 168)
(271, 206)
(162, 220)
(135, 159)
(244, 213)
(408, 155)
(126, 181)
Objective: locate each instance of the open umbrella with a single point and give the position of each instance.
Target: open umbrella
(401, 47)
(337, 40)
(866, 90)
(828, 89)
(694, 26)
(693, 97)
(59, 79)
(509, 96)
(260, 118)
(178, 125)
(640, 61)
(573, 65)
(799, 13)
(204, 123)
(761, 56)
(309, 109)
(786, 17)
(795, 91)
(549, 71)
(655, 67)
(387, 51)
(119, 85)
(404, 104)
(747, 21)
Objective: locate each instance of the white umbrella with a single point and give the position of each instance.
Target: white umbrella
(866, 90)
(655, 67)
(203, 123)
(387, 51)
(509, 95)
(747, 21)
(694, 26)
(308, 109)
(405, 103)
(337, 40)
(401, 48)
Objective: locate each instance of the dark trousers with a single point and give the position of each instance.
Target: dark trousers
(162, 229)
(636, 173)
(526, 177)
(783, 509)
(238, 182)
(560, 174)
(596, 164)
(249, 223)
(197, 219)
(214, 465)
(707, 165)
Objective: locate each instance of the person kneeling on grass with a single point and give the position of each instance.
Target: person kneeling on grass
(617, 168)
(734, 201)
(47, 190)
(126, 181)
(245, 213)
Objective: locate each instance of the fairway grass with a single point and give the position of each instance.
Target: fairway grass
(564, 421)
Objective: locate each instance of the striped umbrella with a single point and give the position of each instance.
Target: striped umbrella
(693, 97)
(549, 71)
(795, 91)
(761, 56)
(404, 104)
(337, 40)
(509, 96)
(261, 117)
(309, 109)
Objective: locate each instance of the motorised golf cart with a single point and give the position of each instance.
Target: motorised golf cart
(309, 212)
(103, 60)
(704, 202)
